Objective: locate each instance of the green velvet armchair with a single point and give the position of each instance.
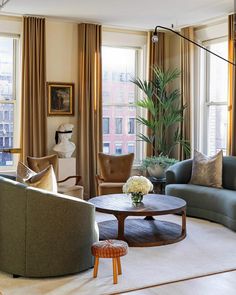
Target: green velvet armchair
(44, 234)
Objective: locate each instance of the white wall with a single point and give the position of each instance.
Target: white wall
(10, 25)
(61, 66)
(211, 31)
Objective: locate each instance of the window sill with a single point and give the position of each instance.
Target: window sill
(8, 172)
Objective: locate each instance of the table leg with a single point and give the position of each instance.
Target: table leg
(149, 218)
(121, 226)
(183, 222)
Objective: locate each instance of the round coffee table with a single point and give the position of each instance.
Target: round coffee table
(140, 232)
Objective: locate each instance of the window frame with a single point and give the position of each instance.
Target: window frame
(140, 67)
(16, 98)
(125, 38)
(206, 102)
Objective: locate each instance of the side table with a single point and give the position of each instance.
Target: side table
(158, 184)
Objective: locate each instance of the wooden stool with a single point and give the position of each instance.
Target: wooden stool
(109, 249)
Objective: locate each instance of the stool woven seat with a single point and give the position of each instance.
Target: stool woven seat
(109, 249)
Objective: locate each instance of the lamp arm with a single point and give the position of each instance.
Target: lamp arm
(4, 2)
(195, 43)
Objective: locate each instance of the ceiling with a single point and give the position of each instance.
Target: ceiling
(126, 13)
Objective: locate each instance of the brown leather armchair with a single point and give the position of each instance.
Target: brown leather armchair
(114, 172)
(39, 164)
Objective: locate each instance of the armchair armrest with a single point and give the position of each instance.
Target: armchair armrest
(77, 177)
(179, 172)
(99, 179)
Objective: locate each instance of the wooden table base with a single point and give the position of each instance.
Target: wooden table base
(143, 232)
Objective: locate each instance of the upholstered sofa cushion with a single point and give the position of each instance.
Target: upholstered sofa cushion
(106, 188)
(207, 202)
(229, 173)
(215, 204)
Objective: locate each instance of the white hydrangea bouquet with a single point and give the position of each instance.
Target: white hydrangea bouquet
(137, 186)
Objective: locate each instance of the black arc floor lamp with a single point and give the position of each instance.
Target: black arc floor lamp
(155, 40)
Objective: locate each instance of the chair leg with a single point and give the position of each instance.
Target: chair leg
(119, 266)
(95, 270)
(114, 262)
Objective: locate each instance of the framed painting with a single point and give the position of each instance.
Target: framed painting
(60, 99)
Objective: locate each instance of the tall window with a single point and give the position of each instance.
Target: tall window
(9, 59)
(119, 95)
(216, 93)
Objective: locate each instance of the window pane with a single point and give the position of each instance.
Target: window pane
(6, 68)
(131, 126)
(106, 127)
(218, 72)
(131, 147)
(9, 58)
(118, 149)
(106, 148)
(6, 133)
(118, 125)
(119, 66)
(217, 129)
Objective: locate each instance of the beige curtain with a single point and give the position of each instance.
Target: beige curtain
(187, 60)
(232, 90)
(90, 105)
(33, 128)
(156, 57)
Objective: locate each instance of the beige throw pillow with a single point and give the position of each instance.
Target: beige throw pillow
(207, 171)
(45, 179)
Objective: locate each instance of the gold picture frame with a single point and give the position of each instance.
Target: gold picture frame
(60, 99)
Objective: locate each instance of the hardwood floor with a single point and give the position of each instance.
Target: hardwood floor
(219, 284)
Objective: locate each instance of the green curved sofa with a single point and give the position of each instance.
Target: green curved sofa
(43, 234)
(214, 204)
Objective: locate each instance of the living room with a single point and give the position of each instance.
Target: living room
(117, 139)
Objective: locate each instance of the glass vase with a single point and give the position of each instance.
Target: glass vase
(136, 198)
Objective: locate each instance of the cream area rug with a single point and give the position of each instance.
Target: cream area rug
(208, 248)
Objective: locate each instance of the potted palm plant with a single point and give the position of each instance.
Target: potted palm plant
(164, 114)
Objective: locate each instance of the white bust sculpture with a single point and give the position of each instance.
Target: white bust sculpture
(64, 147)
